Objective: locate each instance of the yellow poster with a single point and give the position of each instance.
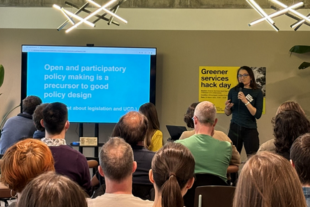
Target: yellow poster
(216, 81)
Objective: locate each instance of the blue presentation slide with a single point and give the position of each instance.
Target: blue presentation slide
(97, 88)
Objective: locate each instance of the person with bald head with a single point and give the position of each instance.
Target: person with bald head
(212, 156)
(132, 127)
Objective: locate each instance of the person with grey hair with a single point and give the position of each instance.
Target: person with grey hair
(212, 156)
(117, 166)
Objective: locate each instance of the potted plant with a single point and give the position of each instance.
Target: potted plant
(1, 82)
(300, 49)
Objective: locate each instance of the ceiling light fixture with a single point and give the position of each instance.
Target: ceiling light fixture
(105, 8)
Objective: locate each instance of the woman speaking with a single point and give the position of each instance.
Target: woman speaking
(245, 103)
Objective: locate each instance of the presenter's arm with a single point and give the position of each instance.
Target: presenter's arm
(255, 111)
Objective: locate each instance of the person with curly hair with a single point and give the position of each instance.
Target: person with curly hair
(286, 106)
(287, 126)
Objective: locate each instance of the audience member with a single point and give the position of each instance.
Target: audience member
(20, 126)
(269, 180)
(24, 161)
(117, 166)
(286, 106)
(290, 105)
(287, 126)
(52, 190)
(300, 159)
(68, 162)
(212, 156)
(132, 127)
(172, 175)
(37, 117)
(154, 137)
(188, 118)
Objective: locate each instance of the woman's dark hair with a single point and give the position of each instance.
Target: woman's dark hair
(287, 126)
(172, 166)
(52, 190)
(188, 117)
(253, 84)
(149, 110)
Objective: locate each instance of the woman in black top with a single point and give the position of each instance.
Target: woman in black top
(245, 103)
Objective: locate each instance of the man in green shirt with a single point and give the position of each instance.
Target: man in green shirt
(211, 155)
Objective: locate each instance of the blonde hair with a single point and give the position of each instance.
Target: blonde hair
(268, 180)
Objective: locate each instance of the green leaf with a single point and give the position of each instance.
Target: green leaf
(1, 75)
(300, 49)
(304, 65)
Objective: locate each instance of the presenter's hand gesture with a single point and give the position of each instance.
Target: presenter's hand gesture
(228, 105)
(242, 97)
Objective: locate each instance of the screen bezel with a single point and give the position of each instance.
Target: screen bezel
(152, 70)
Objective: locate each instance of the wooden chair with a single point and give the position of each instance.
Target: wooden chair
(219, 196)
(93, 163)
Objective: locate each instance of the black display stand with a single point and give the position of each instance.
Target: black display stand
(81, 133)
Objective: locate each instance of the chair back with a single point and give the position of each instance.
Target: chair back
(219, 196)
(201, 180)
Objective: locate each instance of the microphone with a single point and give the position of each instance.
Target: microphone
(241, 86)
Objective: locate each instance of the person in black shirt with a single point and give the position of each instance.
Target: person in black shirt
(132, 127)
(245, 105)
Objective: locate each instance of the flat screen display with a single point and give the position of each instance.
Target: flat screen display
(98, 84)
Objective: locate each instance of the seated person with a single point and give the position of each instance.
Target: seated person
(68, 161)
(20, 126)
(268, 179)
(188, 119)
(286, 106)
(300, 160)
(52, 190)
(24, 161)
(287, 126)
(37, 117)
(117, 166)
(132, 127)
(212, 156)
(154, 137)
(172, 174)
